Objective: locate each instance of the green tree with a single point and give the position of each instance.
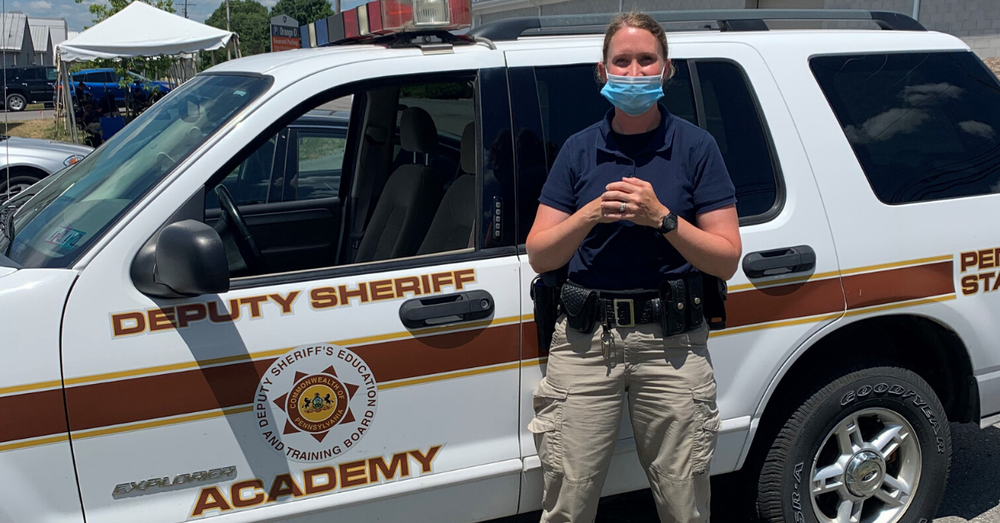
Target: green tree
(249, 20)
(304, 11)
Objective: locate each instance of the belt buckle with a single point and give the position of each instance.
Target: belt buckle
(619, 309)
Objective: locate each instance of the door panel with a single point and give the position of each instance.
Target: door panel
(292, 235)
(768, 316)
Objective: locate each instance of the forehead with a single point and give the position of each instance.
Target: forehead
(632, 40)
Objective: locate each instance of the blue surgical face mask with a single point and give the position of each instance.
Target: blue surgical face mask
(633, 94)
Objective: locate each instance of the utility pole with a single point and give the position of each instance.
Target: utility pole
(336, 7)
(228, 52)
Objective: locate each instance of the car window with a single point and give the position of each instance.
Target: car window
(249, 183)
(406, 193)
(30, 74)
(109, 76)
(732, 117)
(51, 75)
(319, 159)
(922, 125)
(728, 112)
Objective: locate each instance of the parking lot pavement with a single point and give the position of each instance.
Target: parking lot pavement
(973, 494)
(25, 115)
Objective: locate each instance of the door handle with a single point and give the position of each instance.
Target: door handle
(449, 308)
(779, 261)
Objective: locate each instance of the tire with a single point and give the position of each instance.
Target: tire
(15, 102)
(899, 440)
(17, 184)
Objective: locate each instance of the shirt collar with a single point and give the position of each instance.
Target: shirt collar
(661, 141)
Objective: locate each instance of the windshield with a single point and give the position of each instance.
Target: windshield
(57, 225)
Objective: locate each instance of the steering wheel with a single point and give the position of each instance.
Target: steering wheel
(241, 233)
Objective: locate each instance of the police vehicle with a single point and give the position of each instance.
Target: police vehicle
(361, 347)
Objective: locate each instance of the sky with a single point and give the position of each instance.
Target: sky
(78, 16)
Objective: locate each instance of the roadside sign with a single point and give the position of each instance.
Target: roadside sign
(284, 33)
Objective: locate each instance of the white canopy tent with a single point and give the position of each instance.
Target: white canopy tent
(139, 30)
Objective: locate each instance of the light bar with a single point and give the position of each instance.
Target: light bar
(383, 17)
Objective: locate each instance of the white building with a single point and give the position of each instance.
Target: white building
(46, 34)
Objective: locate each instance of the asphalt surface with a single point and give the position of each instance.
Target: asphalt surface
(973, 493)
(25, 115)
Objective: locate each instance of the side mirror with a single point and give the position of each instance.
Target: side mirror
(187, 259)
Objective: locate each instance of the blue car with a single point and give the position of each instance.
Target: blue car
(101, 82)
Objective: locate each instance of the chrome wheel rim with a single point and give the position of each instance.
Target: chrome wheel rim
(16, 103)
(867, 470)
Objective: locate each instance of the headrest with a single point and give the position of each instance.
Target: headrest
(417, 132)
(469, 148)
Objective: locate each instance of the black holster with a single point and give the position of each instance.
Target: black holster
(716, 292)
(580, 305)
(545, 296)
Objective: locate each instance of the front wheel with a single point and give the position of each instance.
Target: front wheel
(16, 102)
(16, 184)
(872, 446)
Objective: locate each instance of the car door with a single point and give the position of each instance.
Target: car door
(727, 90)
(414, 359)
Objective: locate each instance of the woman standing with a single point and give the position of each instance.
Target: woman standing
(637, 205)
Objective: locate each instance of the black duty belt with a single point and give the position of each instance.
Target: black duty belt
(676, 305)
(622, 311)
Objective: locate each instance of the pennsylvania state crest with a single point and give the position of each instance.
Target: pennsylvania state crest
(315, 402)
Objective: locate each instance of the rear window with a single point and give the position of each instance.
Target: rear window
(923, 125)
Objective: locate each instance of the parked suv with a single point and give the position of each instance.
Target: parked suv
(29, 85)
(350, 337)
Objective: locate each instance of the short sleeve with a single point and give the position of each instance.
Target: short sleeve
(558, 189)
(713, 189)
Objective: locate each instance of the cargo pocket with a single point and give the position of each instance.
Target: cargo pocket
(548, 401)
(706, 426)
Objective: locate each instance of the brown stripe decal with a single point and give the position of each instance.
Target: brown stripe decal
(908, 283)
(783, 302)
(94, 405)
(151, 397)
(31, 415)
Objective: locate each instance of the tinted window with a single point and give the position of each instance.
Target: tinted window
(31, 74)
(50, 75)
(320, 159)
(731, 117)
(728, 111)
(923, 125)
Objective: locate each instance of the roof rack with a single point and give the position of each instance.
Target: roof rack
(727, 20)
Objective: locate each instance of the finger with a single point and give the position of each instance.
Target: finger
(621, 186)
(636, 182)
(616, 207)
(617, 196)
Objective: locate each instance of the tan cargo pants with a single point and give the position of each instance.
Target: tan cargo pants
(670, 389)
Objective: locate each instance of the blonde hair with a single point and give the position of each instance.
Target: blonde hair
(638, 20)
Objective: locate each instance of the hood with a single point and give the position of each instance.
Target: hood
(4, 271)
(46, 145)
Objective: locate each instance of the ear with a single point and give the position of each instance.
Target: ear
(602, 71)
(668, 70)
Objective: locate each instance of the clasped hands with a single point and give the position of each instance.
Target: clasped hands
(641, 205)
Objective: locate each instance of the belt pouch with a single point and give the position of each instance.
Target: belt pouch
(580, 305)
(546, 305)
(695, 302)
(716, 292)
(673, 296)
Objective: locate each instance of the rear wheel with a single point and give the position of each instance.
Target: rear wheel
(872, 446)
(16, 102)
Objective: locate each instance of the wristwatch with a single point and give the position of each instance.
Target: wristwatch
(669, 223)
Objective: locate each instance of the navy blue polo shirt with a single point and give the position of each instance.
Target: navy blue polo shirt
(688, 175)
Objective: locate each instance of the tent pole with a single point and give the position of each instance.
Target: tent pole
(70, 113)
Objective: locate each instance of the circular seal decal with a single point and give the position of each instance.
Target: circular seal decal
(315, 402)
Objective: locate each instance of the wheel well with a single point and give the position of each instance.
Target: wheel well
(22, 170)
(922, 345)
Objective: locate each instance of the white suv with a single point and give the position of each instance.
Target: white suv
(355, 341)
